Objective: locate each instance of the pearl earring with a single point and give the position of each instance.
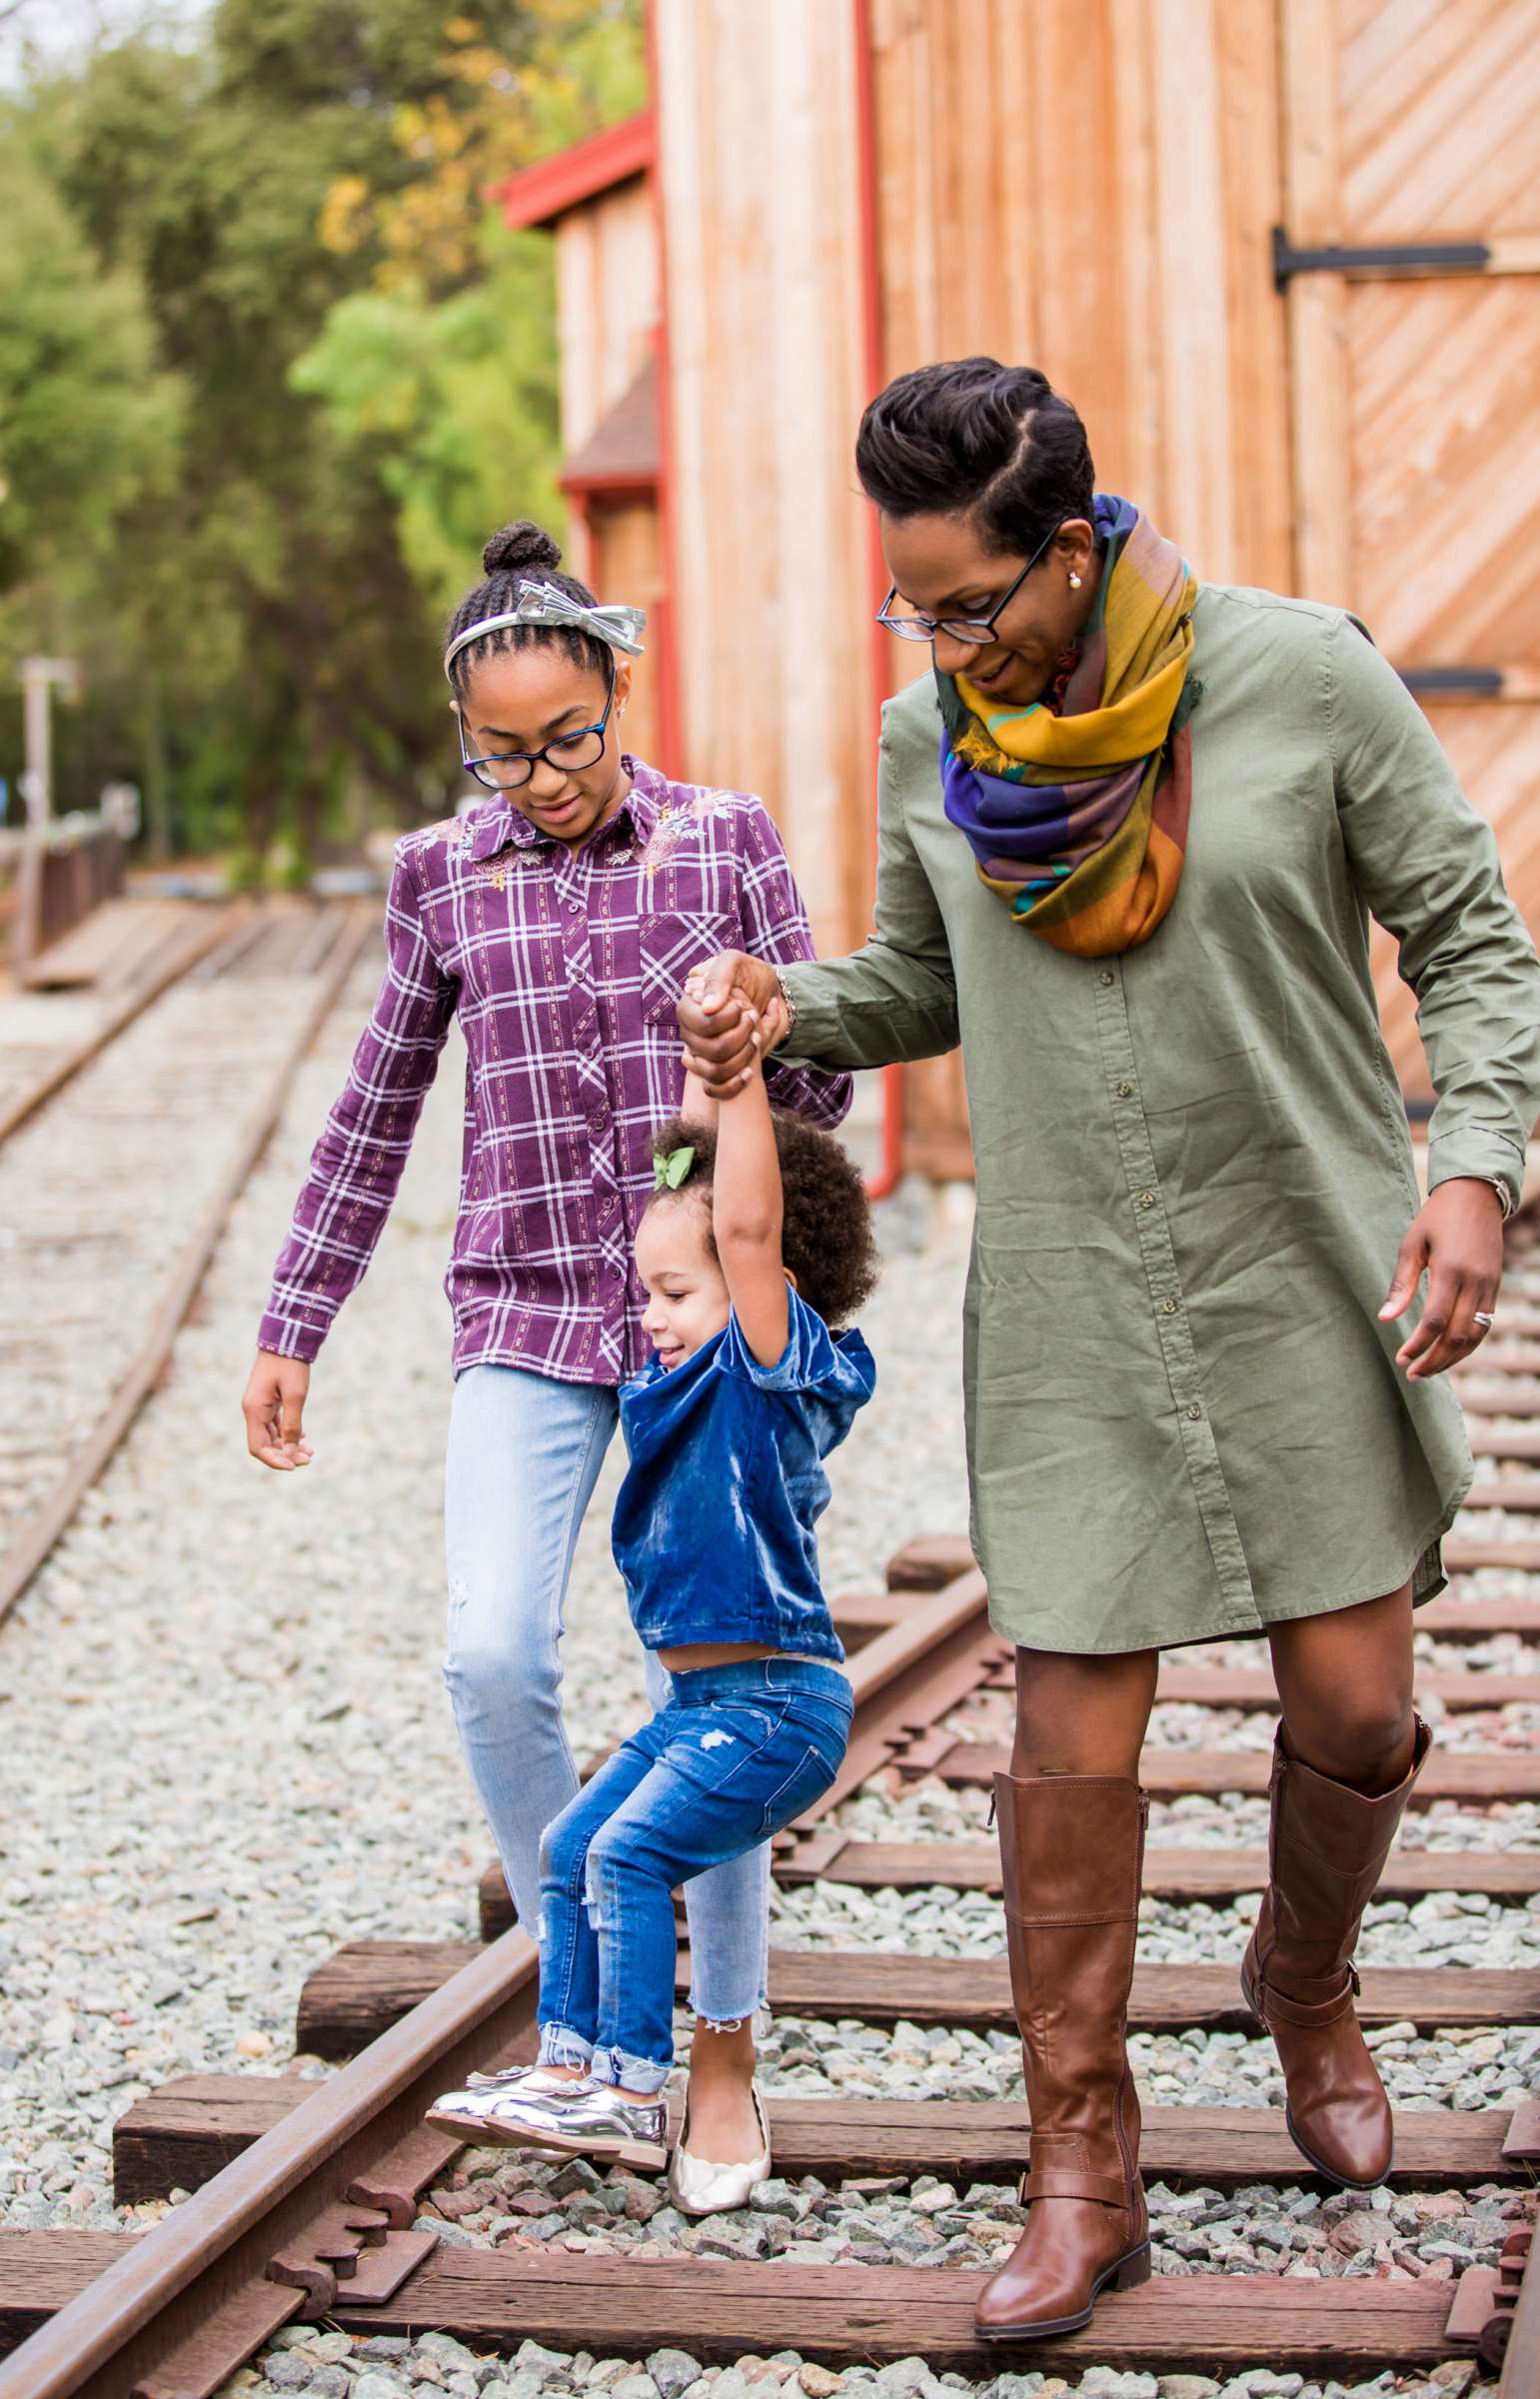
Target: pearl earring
(1074, 583)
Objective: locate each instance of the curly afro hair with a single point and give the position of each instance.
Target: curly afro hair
(826, 1237)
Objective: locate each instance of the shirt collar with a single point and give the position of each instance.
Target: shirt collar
(500, 823)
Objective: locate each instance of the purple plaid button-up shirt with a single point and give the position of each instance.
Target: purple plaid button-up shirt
(563, 968)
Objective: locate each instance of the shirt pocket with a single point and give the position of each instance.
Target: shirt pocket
(673, 941)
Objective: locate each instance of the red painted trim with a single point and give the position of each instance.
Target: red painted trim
(609, 487)
(669, 721)
(590, 168)
(890, 1168)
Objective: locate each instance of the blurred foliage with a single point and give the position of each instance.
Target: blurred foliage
(269, 371)
(456, 401)
(574, 68)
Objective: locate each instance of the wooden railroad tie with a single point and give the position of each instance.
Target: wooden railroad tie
(1478, 1778)
(843, 2314)
(366, 1986)
(974, 1865)
(186, 2132)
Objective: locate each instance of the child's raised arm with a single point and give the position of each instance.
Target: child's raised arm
(746, 1209)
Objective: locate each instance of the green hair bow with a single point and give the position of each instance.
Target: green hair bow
(668, 1173)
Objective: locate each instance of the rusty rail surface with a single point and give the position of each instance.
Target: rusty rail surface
(318, 2214)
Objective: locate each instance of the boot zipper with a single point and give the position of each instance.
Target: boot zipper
(989, 1818)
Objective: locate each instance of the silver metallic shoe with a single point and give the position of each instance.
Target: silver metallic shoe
(700, 2187)
(473, 2110)
(589, 2119)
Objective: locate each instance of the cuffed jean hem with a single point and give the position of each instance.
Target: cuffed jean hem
(623, 2072)
(561, 2046)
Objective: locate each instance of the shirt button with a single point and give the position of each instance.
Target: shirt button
(1145, 1200)
(1106, 979)
(1169, 1308)
(1194, 1413)
(1125, 1090)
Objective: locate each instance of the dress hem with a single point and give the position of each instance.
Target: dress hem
(1425, 1572)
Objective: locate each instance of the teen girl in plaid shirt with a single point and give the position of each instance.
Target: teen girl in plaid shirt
(559, 923)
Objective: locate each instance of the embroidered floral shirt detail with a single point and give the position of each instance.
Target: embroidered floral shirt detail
(563, 968)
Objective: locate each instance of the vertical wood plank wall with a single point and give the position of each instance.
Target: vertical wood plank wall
(626, 565)
(607, 318)
(761, 226)
(1418, 498)
(607, 303)
(1090, 186)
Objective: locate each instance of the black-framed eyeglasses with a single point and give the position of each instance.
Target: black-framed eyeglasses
(570, 753)
(959, 629)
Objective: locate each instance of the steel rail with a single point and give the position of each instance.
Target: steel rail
(198, 2282)
(180, 958)
(121, 2333)
(35, 1535)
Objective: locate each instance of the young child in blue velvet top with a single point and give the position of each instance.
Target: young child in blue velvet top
(756, 1243)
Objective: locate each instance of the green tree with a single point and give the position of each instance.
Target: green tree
(306, 413)
(454, 399)
(88, 423)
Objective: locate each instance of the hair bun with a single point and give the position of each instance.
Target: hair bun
(517, 547)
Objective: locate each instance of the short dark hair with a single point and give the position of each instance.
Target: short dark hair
(521, 553)
(970, 434)
(825, 1235)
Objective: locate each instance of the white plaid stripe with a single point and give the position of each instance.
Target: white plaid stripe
(563, 968)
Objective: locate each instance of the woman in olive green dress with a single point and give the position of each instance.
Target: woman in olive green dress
(1131, 829)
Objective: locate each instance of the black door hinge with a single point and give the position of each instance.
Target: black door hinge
(1454, 682)
(1380, 258)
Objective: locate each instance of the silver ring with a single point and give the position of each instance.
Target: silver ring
(1481, 1318)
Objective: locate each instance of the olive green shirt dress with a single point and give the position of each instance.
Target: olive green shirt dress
(1184, 1420)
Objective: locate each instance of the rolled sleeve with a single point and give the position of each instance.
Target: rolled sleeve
(1427, 865)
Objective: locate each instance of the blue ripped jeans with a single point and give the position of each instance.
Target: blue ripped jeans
(739, 1752)
(523, 1455)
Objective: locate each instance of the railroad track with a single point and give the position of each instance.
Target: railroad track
(122, 1152)
(318, 2200)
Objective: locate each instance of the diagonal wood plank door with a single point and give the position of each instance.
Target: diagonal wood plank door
(1416, 467)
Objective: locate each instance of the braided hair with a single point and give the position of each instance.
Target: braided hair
(969, 434)
(521, 553)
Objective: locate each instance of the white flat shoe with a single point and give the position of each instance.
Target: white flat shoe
(700, 2187)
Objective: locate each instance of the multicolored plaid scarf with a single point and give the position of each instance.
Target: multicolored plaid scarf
(1078, 818)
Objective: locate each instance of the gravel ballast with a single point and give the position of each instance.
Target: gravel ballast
(226, 1749)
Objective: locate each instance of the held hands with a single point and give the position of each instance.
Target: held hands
(732, 1016)
(273, 1409)
(1458, 1238)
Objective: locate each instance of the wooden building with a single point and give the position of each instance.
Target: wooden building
(1282, 254)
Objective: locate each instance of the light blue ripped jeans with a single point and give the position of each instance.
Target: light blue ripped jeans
(523, 1455)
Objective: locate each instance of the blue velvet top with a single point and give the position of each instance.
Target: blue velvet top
(714, 1524)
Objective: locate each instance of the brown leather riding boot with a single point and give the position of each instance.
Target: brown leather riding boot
(1326, 1854)
(1073, 1847)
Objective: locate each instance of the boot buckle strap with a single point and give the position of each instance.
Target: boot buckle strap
(1308, 2014)
(1069, 2182)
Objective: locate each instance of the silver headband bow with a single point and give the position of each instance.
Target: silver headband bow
(544, 604)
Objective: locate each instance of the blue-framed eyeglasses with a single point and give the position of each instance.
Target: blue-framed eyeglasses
(570, 753)
(974, 629)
